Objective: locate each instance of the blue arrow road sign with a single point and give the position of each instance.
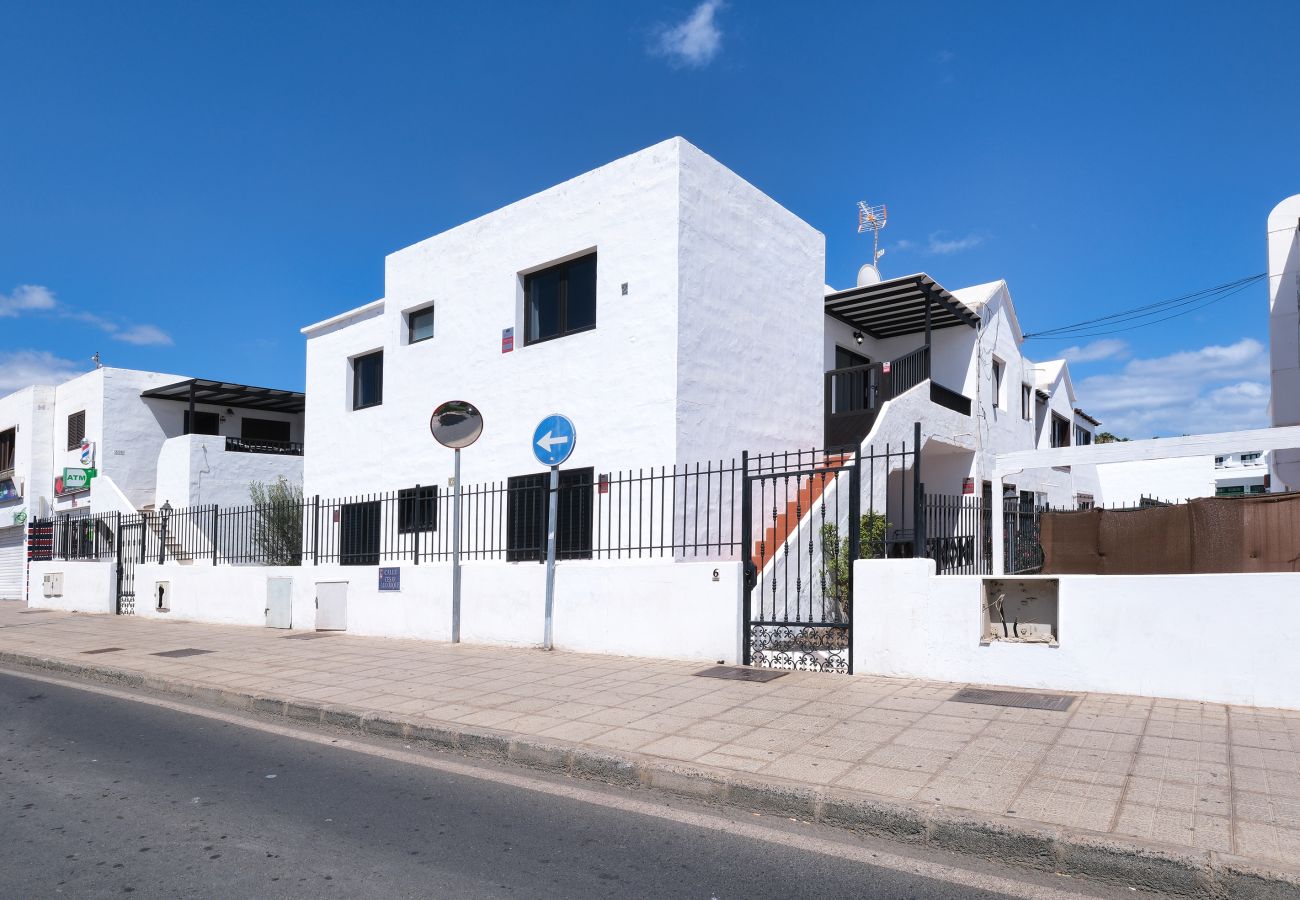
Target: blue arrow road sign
(553, 440)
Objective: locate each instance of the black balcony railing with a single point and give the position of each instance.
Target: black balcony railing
(855, 395)
(256, 445)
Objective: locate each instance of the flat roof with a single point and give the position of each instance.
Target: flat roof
(897, 307)
(223, 393)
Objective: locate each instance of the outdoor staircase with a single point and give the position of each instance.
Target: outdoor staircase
(786, 523)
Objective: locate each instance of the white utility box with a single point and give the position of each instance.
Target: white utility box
(52, 584)
(279, 603)
(331, 606)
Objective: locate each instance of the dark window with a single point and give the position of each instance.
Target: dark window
(1060, 431)
(560, 300)
(1024, 401)
(1245, 458)
(1082, 436)
(251, 429)
(8, 448)
(203, 423)
(417, 509)
(76, 429)
(368, 380)
(998, 368)
(419, 325)
(526, 513)
(359, 534)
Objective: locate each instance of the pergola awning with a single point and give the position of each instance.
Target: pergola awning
(221, 393)
(908, 305)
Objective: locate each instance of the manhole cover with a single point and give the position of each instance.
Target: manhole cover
(740, 673)
(308, 635)
(103, 650)
(176, 654)
(1018, 699)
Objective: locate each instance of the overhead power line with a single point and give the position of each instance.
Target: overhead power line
(1149, 314)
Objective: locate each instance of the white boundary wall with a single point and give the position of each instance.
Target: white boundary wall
(1214, 638)
(657, 609)
(87, 586)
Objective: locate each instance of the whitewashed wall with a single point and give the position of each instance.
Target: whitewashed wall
(656, 609)
(1164, 479)
(1210, 638)
(1284, 330)
(196, 469)
(681, 368)
(89, 587)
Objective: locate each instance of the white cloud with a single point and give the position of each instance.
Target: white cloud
(943, 247)
(26, 297)
(693, 42)
(21, 368)
(143, 335)
(1105, 348)
(904, 244)
(944, 56)
(37, 298)
(1215, 388)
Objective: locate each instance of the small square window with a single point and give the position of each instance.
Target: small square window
(419, 325)
(368, 380)
(76, 430)
(560, 300)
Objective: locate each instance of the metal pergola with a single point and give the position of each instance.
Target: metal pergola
(912, 304)
(223, 393)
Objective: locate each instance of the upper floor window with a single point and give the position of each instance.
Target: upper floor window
(368, 380)
(76, 430)
(1060, 431)
(999, 369)
(419, 325)
(560, 300)
(1025, 406)
(202, 423)
(8, 448)
(1245, 458)
(1082, 436)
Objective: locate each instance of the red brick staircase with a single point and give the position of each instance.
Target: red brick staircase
(811, 488)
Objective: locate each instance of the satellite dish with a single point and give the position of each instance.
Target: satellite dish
(868, 274)
(456, 424)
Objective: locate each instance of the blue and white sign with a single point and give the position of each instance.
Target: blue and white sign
(390, 578)
(553, 440)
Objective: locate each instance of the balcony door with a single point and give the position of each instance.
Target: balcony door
(850, 390)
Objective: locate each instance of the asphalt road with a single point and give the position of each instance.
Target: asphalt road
(109, 797)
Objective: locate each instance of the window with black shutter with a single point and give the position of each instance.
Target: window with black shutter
(202, 422)
(526, 512)
(359, 534)
(76, 430)
(417, 509)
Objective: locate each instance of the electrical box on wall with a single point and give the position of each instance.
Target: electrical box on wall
(162, 591)
(52, 584)
(1024, 611)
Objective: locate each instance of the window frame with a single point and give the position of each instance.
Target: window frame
(529, 338)
(356, 379)
(1067, 430)
(9, 439)
(421, 503)
(526, 516)
(999, 375)
(410, 325)
(1026, 402)
(80, 418)
(188, 422)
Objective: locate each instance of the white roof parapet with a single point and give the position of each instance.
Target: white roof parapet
(1261, 439)
(357, 313)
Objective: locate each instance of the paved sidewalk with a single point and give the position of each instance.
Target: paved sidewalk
(1177, 777)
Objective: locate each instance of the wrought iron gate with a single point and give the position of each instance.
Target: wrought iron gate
(130, 549)
(800, 535)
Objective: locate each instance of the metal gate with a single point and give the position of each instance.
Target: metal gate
(130, 549)
(800, 535)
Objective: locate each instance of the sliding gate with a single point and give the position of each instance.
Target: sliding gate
(799, 537)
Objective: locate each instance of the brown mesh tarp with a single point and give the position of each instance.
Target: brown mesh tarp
(1216, 534)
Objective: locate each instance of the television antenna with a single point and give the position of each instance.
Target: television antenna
(872, 218)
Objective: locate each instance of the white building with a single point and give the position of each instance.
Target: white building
(677, 315)
(1185, 478)
(120, 440)
(1284, 332)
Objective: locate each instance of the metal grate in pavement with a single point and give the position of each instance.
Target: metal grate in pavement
(187, 651)
(740, 673)
(103, 650)
(309, 635)
(1018, 699)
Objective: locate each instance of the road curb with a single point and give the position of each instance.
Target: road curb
(1094, 856)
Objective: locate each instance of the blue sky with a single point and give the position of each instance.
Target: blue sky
(183, 186)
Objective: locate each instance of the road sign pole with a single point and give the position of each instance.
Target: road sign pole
(455, 554)
(553, 501)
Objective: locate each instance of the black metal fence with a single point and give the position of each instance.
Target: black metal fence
(682, 511)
